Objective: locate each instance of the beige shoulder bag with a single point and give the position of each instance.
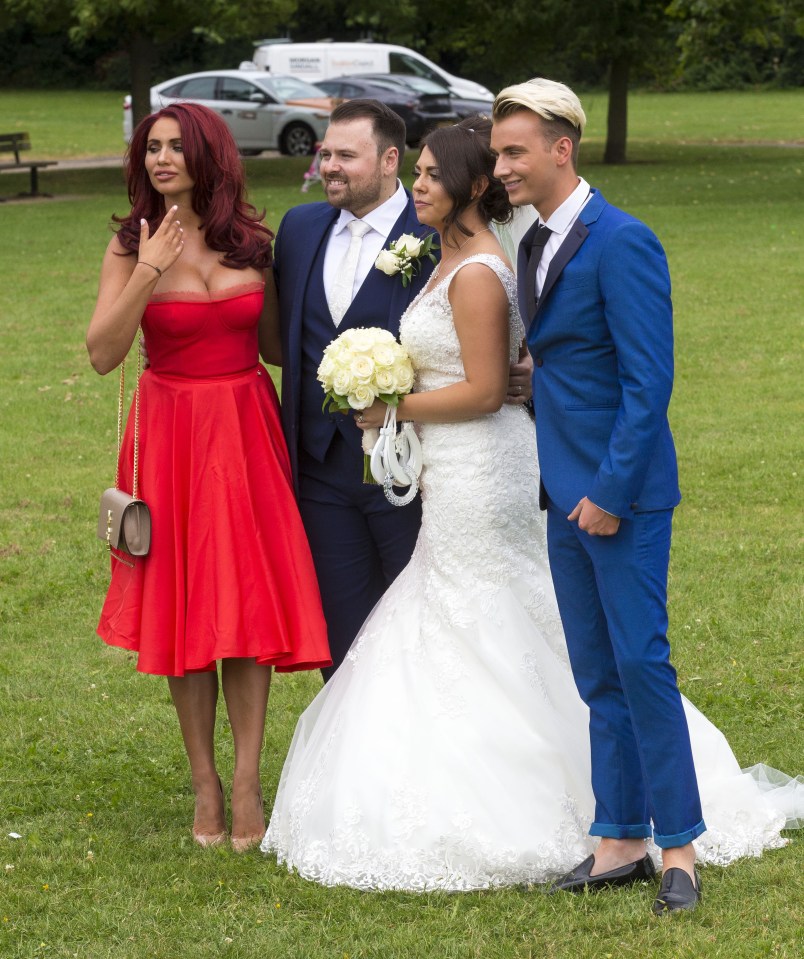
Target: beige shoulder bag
(124, 521)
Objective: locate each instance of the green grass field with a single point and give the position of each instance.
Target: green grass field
(92, 772)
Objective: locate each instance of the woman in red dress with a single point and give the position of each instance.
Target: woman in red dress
(229, 574)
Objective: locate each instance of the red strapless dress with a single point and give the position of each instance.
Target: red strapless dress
(229, 572)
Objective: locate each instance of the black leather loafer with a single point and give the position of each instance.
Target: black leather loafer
(677, 892)
(579, 878)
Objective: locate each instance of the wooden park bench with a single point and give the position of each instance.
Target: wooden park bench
(14, 143)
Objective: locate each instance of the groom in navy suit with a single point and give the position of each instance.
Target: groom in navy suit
(594, 292)
(359, 541)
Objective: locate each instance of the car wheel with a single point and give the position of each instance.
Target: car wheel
(297, 140)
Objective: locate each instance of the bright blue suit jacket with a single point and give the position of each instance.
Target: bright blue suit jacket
(602, 345)
(302, 231)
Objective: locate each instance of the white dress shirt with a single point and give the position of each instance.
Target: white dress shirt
(381, 220)
(560, 223)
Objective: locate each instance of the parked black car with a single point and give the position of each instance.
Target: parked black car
(462, 106)
(422, 110)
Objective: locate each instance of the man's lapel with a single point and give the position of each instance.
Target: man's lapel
(402, 295)
(522, 257)
(307, 250)
(315, 233)
(577, 234)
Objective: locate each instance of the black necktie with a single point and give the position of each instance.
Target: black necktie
(543, 234)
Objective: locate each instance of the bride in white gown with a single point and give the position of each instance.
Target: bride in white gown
(451, 749)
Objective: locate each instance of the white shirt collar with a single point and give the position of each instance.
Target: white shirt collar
(383, 217)
(563, 218)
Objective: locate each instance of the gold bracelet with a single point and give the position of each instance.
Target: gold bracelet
(151, 266)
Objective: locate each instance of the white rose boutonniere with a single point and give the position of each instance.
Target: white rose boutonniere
(387, 262)
(412, 245)
(404, 256)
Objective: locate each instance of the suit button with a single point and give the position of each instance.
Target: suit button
(538, 361)
(634, 505)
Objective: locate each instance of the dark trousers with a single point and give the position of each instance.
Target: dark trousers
(359, 541)
(612, 595)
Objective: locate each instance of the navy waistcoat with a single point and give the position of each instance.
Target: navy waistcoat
(317, 428)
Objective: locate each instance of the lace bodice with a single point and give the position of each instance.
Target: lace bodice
(479, 483)
(428, 333)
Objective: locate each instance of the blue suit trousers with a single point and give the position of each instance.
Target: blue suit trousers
(612, 596)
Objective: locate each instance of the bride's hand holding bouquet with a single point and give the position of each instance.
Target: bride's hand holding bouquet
(365, 370)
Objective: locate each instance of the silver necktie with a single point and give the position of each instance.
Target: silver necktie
(340, 296)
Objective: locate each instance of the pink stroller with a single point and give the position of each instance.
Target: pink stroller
(313, 173)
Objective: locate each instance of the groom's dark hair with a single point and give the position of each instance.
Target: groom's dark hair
(388, 127)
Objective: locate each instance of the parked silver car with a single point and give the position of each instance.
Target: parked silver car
(263, 111)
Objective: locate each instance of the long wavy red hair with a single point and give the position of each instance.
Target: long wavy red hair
(232, 226)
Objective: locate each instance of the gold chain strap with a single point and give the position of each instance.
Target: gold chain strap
(120, 398)
(135, 482)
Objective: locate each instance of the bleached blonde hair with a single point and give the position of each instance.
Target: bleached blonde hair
(554, 102)
(550, 99)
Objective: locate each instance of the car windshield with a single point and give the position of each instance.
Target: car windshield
(403, 63)
(420, 84)
(289, 88)
(196, 88)
(385, 83)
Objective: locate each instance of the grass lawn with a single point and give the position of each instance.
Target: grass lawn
(65, 124)
(92, 772)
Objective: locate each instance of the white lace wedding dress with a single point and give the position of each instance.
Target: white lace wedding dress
(450, 750)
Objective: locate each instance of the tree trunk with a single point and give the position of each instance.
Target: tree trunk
(617, 124)
(142, 56)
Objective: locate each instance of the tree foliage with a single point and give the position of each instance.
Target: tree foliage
(732, 43)
(613, 43)
(140, 26)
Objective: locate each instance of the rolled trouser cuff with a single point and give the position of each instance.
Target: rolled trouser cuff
(680, 838)
(609, 830)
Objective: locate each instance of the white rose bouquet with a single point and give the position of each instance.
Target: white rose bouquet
(359, 367)
(404, 256)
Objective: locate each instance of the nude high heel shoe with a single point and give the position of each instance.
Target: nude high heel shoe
(244, 843)
(210, 839)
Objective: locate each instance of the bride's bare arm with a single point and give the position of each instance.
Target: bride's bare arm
(480, 314)
(126, 283)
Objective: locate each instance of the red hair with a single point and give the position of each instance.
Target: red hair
(231, 225)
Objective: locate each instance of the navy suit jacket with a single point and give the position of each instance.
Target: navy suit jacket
(298, 240)
(602, 345)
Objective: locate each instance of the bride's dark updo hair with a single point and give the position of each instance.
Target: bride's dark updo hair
(463, 155)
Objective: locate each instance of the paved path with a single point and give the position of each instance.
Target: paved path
(91, 163)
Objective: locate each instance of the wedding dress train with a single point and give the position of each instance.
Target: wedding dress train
(451, 749)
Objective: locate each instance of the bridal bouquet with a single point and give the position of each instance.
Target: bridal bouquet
(359, 367)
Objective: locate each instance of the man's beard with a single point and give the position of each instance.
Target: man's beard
(366, 194)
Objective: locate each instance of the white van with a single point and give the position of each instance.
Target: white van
(325, 61)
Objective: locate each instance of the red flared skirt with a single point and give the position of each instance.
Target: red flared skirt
(229, 572)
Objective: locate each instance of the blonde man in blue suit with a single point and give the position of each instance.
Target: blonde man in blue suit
(594, 292)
